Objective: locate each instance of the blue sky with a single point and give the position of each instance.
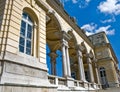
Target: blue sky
(96, 16)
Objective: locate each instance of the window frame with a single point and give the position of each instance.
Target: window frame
(27, 40)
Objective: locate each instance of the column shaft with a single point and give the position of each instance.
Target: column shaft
(97, 74)
(64, 61)
(81, 67)
(53, 56)
(90, 70)
(68, 62)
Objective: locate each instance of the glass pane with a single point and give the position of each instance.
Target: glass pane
(24, 16)
(29, 35)
(28, 44)
(23, 24)
(22, 32)
(21, 48)
(101, 74)
(22, 41)
(29, 19)
(104, 73)
(28, 51)
(29, 28)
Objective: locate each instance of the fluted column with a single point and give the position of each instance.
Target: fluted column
(68, 62)
(90, 69)
(53, 56)
(64, 61)
(81, 66)
(97, 74)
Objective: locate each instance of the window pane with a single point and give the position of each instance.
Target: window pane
(104, 73)
(22, 41)
(21, 48)
(23, 24)
(28, 51)
(29, 35)
(24, 16)
(101, 74)
(29, 28)
(22, 32)
(29, 19)
(28, 44)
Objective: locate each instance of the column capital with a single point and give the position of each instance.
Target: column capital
(79, 47)
(65, 36)
(79, 53)
(53, 56)
(65, 43)
(89, 60)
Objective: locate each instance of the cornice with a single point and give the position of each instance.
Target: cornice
(42, 5)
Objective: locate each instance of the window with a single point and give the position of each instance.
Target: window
(103, 77)
(26, 34)
(102, 72)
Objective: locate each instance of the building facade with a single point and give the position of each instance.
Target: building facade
(27, 26)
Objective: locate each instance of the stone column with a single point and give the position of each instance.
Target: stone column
(68, 62)
(53, 56)
(81, 66)
(64, 61)
(90, 69)
(97, 74)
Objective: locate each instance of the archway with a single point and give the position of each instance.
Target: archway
(53, 38)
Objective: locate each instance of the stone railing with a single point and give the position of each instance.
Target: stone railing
(88, 85)
(55, 80)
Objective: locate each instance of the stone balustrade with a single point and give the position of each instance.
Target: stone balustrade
(58, 81)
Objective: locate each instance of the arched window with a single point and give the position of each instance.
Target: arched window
(26, 34)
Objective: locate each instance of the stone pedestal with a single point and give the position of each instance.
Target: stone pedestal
(70, 82)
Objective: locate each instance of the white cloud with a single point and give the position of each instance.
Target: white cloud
(110, 7)
(91, 29)
(84, 3)
(109, 20)
(75, 1)
(89, 33)
(106, 30)
(81, 3)
(87, 1)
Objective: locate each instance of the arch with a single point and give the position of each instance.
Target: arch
(32, 14)
(52, 15)
(53, 31)
(53, 40)
(73, 36)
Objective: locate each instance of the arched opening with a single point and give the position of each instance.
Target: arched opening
(53, 38)
(73, 56)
